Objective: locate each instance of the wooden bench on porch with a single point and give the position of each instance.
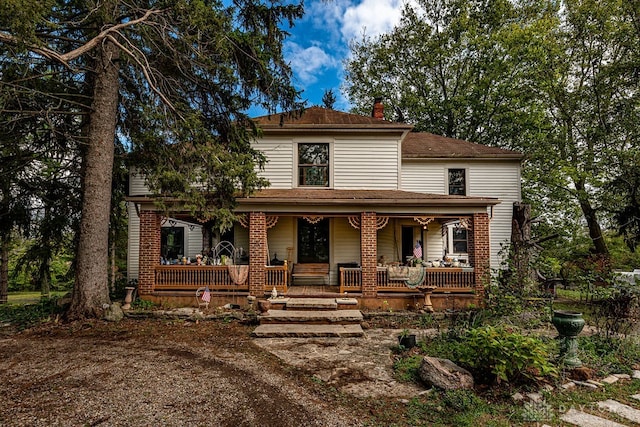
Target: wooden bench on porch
(310, 271)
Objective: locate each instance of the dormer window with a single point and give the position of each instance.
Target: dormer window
(313, 165)
(457, 182)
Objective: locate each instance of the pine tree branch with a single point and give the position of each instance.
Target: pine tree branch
(64, 58)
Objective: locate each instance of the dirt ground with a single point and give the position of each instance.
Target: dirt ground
(149, 372)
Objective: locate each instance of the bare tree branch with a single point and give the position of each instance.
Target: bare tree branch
(64, 58)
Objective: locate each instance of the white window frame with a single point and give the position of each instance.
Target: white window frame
(464, 255)
(296, 159)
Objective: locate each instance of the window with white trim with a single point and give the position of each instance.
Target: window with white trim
(313, 165)
(456, 241)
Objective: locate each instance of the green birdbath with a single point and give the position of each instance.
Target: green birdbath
(569, 324)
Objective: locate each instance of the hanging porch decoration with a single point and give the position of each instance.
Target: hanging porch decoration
(313, 219)
(381, 222)
(271, 221)
(424, 221)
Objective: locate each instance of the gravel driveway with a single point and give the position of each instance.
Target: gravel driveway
(158, 372)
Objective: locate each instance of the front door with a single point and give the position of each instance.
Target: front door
(313, 241)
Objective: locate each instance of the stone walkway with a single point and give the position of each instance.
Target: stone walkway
(605, 408)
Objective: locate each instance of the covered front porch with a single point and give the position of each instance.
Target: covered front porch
(362, 242)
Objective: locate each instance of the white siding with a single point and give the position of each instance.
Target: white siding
(387, 244)
(433, 245)
(499, 179)
(345, 245)
(280, 159)
(424, 177)
(133, 252)
(365, 164)
(137, 186)
(193, 241)
(281, 237)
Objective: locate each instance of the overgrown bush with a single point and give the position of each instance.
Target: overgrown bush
(505, 354)
(616, 309)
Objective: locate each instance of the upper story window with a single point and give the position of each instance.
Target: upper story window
(313, 165)
(457, 182)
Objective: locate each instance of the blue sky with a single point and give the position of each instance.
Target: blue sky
(319, 42)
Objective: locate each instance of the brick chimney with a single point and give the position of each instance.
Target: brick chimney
(378, 109)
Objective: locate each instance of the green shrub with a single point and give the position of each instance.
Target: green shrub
(505, 355)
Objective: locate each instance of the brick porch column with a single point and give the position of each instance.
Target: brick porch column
(257, 252)
(480, 250)
(368, 253)
(149, 250)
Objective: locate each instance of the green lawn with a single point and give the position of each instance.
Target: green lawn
(21, 298)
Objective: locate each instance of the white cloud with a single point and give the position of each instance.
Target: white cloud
(371, 16)
(307, 63)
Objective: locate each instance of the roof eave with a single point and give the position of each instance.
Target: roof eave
(468, 202)
(465, 157)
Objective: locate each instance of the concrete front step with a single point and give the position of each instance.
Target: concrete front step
(311, 304)
(307, 331)
(311, 317)
(299, 303)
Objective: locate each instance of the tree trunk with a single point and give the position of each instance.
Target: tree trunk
(591, 216)
(521, 246)
(44, 275)
(113, 270)
(91, 290)
(4, 271)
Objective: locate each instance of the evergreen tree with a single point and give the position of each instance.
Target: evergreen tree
(174, 79)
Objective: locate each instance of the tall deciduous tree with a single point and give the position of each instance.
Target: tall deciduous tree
(556, 80)
(173, 78)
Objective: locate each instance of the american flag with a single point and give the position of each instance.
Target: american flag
(206, 295)
(417, 251)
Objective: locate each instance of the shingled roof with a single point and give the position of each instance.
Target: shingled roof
(424, 145)
(415, 145)
(314, 117)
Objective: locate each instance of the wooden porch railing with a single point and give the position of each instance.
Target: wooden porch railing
(188, 277)
(216, 277)
(445, 279)
(278, 276)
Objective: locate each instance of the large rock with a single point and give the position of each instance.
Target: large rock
(113, 313)
(445, 374)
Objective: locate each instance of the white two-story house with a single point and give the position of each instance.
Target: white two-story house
(351, 199)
